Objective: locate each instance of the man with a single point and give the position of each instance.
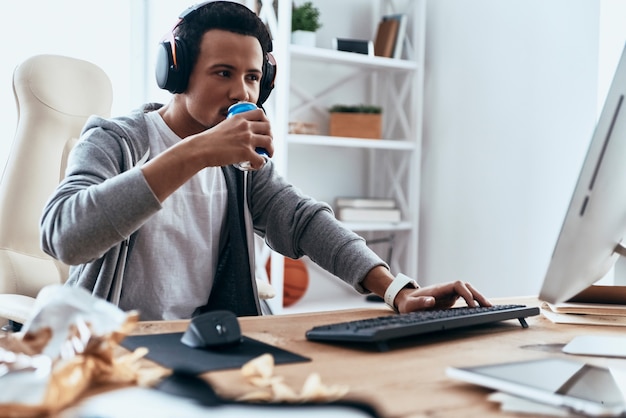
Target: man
(180, 225)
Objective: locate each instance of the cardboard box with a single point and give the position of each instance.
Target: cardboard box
(356, 125)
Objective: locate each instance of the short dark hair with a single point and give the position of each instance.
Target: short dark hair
(224, 15)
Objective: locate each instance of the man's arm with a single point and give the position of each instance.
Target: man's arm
(230, 141)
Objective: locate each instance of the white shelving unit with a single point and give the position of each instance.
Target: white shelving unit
(309, 81)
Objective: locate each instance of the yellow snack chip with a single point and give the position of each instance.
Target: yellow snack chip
(262, 366)
(259, 372)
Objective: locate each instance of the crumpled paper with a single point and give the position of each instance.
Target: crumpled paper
(270, 388)
(68, 346)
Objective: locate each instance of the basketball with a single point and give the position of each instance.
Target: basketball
(295, 282)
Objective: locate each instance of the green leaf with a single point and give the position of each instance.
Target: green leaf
(305, 17)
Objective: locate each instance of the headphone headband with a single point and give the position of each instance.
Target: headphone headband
(191, 9)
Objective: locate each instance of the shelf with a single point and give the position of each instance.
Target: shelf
(331, 56)
(313, 79)
(338, 141)
(378, 226)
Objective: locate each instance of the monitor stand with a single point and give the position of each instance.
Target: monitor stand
(600, 345)
(597, 345)
(607, 294)
(619, 270)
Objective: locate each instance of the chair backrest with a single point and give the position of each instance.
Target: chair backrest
(54, 95)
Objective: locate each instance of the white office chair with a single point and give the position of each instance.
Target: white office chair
(54, 95)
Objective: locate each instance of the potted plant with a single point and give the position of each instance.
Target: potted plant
(305, 21)
(356, 121)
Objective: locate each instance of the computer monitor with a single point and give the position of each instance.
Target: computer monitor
(594, 228)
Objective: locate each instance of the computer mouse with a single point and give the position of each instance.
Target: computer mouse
(213, 329)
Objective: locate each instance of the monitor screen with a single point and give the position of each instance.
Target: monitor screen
(595, 223)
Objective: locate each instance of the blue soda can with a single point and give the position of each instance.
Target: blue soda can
(240, 107)
(235, 109)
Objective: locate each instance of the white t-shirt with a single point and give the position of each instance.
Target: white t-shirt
(176, 253)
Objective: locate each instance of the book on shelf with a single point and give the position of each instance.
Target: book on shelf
(348, 214)
(360, 46)
(363, 209)
(365, 202)
(401, 18)
(385, 40)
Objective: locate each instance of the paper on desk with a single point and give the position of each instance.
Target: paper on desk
(581, 319)
(588, 308)
(66, 346)
(510, 403)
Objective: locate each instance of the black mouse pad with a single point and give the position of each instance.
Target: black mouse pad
(168, 351)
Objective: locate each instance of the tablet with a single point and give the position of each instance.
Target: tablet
(574, 385)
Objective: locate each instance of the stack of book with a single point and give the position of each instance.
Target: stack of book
(350, 209)
(596, 305)
(390, 36)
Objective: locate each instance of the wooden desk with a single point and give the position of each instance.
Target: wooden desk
(410, 380)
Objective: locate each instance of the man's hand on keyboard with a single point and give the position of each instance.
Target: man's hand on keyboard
(439, 296)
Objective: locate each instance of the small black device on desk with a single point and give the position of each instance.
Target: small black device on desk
(382, 329)
(213, 329)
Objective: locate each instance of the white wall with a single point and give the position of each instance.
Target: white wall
(511, 95)
(109, 33)
(88, 29)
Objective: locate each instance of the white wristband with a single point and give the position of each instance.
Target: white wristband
(400, 282)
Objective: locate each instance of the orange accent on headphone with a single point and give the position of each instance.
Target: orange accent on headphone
(169, 37)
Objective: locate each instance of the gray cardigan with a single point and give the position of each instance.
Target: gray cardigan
(104, 199)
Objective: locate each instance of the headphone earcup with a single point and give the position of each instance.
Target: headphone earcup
(267, 81)
(170, 76)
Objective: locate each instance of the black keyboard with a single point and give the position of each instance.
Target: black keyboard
(382, 329)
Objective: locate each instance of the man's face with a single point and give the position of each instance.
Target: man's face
(228, 70)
